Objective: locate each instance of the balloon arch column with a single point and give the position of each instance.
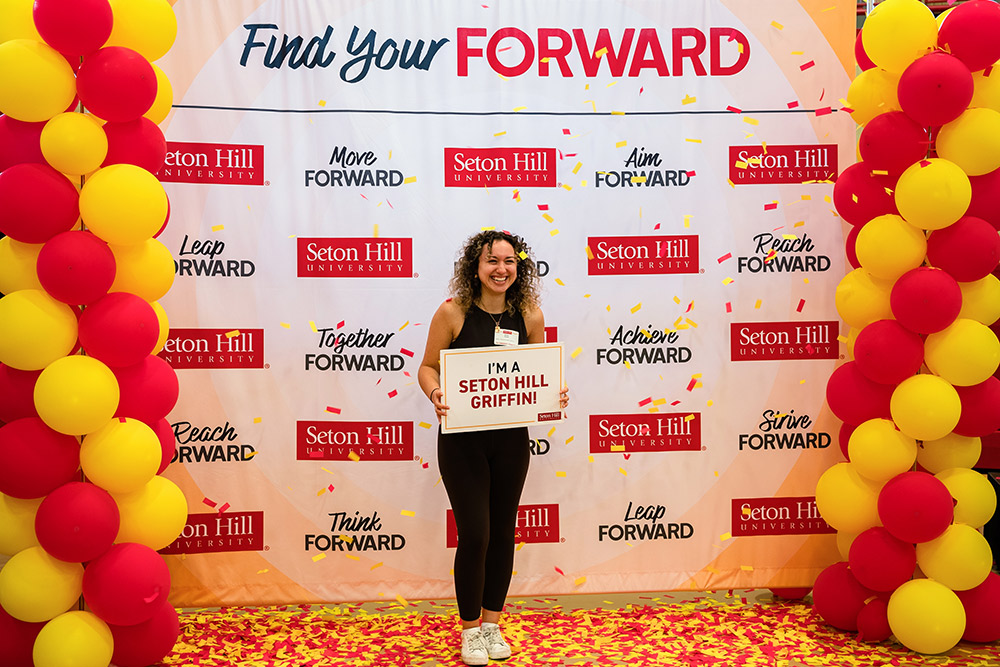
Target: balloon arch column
(81, 389)
(919, 391)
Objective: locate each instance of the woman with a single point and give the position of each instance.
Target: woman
(495, 301)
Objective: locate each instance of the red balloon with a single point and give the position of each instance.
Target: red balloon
(139, 142)
(790, 593)
(116, 84)
(126, 585)
(880, 561)
(34, 459)
(851, 245)
(853, 398)
(844, 438)
(18, 640)
(925, 300)
(20, 142)
(17, 393)
(982, 610)
(887, 352)
(76, 267)
(985, 202)
(980, 409)
(935, 89)
(36, 203)
(73, 27)
(893, 141)
(168, 442)
(77, 522)
(970, 34)
(149, 389)
(838, 597)
(915, 507)
(860, 195)
(873, 621)
(968, 249)
(146, 643)
(120, 329)
(860, 55)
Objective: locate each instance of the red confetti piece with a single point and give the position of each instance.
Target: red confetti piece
(675, 403)
(543, 207)
(340, 324)
(802, 302)
(121, 420)
(691, 384)
(210, 503)
(793, 104)
(627, 456)
(810, 349)
(223, 508)
(805, 66)
(988, 71)
(330, 488)
(821, 94)
(390, 204)
(690, 306)
(379, 382)
(770, 207)
(315, 454)
(734, 109)
(646, 401)
(640, 90)
(566, 130)
(403, 350)
(729, 307)
(728, 255)
(425, 466)
(560, 572)
(691, 174)
(374, 438)
(732, 35)
(656, 227)
(824, 111)
(365, 198)
(925, 163)
(392, 394)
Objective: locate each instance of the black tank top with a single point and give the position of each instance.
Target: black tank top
(479, 328)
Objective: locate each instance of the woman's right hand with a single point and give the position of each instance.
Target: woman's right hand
(437, 396)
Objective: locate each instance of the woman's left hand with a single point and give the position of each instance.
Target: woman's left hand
(564, 397)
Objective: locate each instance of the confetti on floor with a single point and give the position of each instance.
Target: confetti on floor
(684, 630)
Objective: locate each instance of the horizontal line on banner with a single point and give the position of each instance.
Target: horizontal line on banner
(205, 107)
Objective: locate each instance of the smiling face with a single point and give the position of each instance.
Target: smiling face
(497, 268)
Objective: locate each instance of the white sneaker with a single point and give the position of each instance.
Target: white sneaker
(474, 648)
(497, 648)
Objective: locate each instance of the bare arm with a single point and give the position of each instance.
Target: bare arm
(444, 327)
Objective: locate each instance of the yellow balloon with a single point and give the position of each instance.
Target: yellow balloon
(164, 98)
(76, 395)
(846, 500)
(986, 89)
(964, 354)
(145, 269)
(888, 247)
(959, 559)
(17, 524)
(74, 143)
(926, 616)
(74, 639)
(844, 542)
(925, 407)
(879, 451)
(121, 456)
(17, 21)
(154, 515)
(35, 587)
(123, 204)
(35, 329)
(17, 265)
(976, 501)
(872, 92)
(862, 299)
(932, 194)
(951, 451)
(161, 317)
(146, 26)
(942, 16)
(981, 300)
(897, 32)
(972, 141)
(36, 82)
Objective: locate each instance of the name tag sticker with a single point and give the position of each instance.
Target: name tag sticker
(505, 337)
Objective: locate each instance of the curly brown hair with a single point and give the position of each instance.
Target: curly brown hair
(465, 285)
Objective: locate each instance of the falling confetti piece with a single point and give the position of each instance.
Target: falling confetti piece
(520, 108)
(579, 581)
(728, 255)
(577, 167)
(824, 111)
(575, 353)
(210, 503)
(636, 307)
(409, 179)
(560, 473)
(734, 109)
(727, 281)
(751, 121)
(547, 217)
(233, 334)
(775, 24)
(805, 66)
(793, 104)
(256, 420)
(689, 99)
(802, 302)
(499, 134)
(376, 565)
(601, 52)
(318, 557)
(729, 307)
(746, 568)
(725, 536)
(285, 325)
(407, 513)
(553, 232)
(332, 409)
(560, 282)
(770, 207)
(621, 144)
(623, 471)
(560, 571)
(590, 254)
(403, 350)
(353, 456)
(757, 304)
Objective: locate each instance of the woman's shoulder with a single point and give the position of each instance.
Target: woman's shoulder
(451, 312)
(532, 314)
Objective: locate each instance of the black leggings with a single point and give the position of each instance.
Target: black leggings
(484, 473)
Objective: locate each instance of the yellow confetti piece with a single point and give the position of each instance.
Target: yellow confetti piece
(710, 403)
(218, 228)
(409, 179)
(712, 570)
(407, 513)
(352, 557)
(553, 232)
(659, 401)
(405, 324)
(547, 217)
(233, 334)
(693, 141)
(285, 325)
(689, 99)
(623, 471)
(636, 307)
(590, 254)
(376, 565)
(519, 108)
(322, 103)
(746, 568)
(601, 52)
(740, 164)
(750, 121)
(318, 557)
(499, 134)
(716, 473)
(583, 183)
(621, 144)
(353, 456)
(560, 282)
(727, 281)
(321, 492)
(312, 325)
(401, 600)
(687, 220)
(264, 571)
(757, 305)
(575, 353)
(570, 439)
(579, 581)
(638, 179)
(327, 470)
(520, 546)
(256, 420)
(551, 431)
(725, 536)
(577, 167)
(346, 538)
(567, 187)
(375, 229)
(560, 473)
(777, 25)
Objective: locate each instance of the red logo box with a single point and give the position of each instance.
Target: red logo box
(218, 532)
(536, 524)
(642, 255)
(771, 341)
(500, 167)
(755, 165)
(654, 432)
(222, 164)
(355, 257)
(371, 441)
(777, 516)
(214, 348)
